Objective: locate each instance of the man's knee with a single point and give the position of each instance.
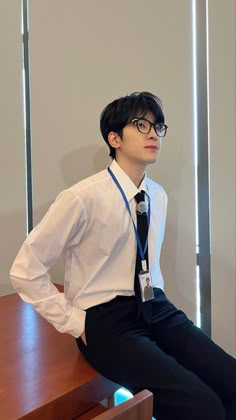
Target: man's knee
(202, 405)
(207, 406)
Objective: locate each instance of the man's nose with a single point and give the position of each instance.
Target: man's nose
(152, 134)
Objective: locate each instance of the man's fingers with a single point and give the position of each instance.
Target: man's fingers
(83, 336)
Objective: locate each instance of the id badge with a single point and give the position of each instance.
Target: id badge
(146, 287)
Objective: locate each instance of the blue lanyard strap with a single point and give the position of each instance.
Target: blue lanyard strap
(140, 248)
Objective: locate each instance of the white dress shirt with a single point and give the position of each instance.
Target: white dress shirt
(91, 225)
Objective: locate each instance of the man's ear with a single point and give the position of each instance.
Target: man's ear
(114, 140)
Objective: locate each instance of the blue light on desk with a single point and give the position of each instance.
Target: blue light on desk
(122, 395)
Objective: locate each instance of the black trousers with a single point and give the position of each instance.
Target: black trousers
(190, 376)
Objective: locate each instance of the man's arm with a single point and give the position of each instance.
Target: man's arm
(61, 227)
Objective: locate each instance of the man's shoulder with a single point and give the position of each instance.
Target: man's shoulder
(154, 187)
(92, 183)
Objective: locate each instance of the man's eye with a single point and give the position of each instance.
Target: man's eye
(160, 127)
(142, 124)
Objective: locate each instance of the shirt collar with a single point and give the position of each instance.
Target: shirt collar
(126, 183)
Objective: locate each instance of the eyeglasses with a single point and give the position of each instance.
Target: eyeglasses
(144, 126)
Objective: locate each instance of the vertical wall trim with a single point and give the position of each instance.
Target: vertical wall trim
(27, 116)
(204, 255)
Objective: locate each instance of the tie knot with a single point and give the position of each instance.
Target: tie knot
(140, 196)
(141, 205)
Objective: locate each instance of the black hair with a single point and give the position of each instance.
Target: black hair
(120, 112)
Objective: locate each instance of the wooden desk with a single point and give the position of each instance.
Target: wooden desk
(42, 373)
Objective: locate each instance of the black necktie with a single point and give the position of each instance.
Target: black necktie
(142, 228)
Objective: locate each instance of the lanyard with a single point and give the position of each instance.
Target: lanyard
(140, 248)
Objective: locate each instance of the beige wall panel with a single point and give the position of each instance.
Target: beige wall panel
(12, 175)
(222, 143)
(86, 53)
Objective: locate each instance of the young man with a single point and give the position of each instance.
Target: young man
(137, 344)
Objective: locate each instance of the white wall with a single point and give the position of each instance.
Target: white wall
(12, 178)
(222, 171)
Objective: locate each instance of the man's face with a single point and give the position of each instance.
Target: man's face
(138, 148)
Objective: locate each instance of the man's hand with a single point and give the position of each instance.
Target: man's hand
(83, 337)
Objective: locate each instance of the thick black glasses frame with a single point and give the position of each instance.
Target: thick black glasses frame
(154, 125)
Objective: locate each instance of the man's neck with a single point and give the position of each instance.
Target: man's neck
(135, 172)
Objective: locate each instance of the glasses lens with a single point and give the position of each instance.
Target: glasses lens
(161, 129)
(143, 126)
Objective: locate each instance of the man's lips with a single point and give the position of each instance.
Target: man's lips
(151, 147)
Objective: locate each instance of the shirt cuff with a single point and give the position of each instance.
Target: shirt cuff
(76, 324)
